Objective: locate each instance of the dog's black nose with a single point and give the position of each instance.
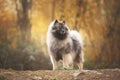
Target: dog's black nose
(63, 31)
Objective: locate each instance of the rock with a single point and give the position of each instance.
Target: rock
(37, 78)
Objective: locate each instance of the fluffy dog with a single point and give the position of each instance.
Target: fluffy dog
(65, 45)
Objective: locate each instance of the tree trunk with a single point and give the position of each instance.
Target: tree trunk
(23, 8)
(62, 15)
(53, 10)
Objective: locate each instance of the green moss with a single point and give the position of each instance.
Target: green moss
(2, 77)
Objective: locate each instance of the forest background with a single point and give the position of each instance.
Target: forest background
(24, 23)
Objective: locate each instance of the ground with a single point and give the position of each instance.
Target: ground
(101, 74)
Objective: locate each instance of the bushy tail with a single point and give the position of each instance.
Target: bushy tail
(77, 44)
(76, 36)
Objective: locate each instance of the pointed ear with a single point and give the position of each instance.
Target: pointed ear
(56, 21)
(64, 22)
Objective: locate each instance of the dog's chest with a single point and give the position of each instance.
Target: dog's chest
(61, 47)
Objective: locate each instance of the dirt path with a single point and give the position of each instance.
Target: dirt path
(103, 74)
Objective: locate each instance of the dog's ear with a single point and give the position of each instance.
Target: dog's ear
(56, 21)
(63, 21)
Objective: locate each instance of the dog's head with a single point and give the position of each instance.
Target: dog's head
(60, 30)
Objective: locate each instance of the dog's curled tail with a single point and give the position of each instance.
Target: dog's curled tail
(77, 45)
(76, 36)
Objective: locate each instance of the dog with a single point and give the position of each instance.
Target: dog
(64, 44)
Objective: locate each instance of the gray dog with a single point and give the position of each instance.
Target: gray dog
(65, 45)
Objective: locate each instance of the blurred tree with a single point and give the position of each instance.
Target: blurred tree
(80, 14)
(53, 9)
(110, 47)
(97, 20)
(112, 35)
(23, 8)
(62, 7)
(77, 16)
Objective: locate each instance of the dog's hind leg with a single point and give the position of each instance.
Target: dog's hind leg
(81, 60)
(80, 65)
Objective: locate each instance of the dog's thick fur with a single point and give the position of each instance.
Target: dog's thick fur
(65, 45)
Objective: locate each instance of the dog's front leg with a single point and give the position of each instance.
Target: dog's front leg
(67, 60)
(54, 62)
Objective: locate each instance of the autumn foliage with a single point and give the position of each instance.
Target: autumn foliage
(24, 23)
